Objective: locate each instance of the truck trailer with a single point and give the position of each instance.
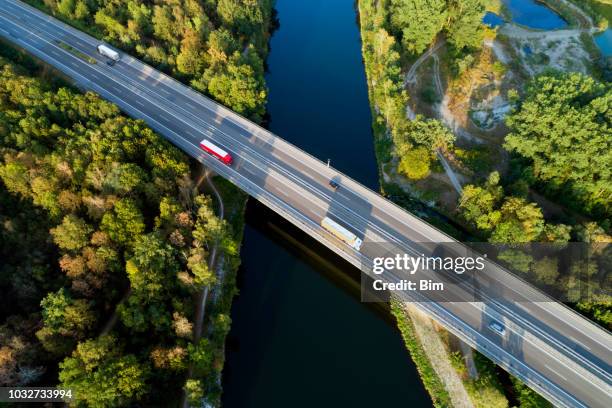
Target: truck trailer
(341, 233)
(108, 52)
(216, 151)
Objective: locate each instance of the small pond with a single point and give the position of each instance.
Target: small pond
(604, 42)
(492, 20)
(534, 14)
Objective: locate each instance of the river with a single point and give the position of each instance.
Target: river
(300, 336)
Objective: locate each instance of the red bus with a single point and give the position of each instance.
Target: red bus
(216, 151)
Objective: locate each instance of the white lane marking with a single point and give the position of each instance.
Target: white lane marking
(137, 102)
(572, 338)
(247, 170)
(556, 372)
(192, 134)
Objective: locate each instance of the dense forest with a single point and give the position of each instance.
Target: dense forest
(217, 46)
(563, 128)
(100, 215)
(559, 144)
(104, 233)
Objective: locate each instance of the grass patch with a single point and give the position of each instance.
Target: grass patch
(430, 379)
(486, 391)
(76, 52)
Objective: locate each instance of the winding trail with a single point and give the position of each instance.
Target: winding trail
(203, 294)
(411, 74)
(410, 78)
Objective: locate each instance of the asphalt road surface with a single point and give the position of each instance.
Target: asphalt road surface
(553, 349)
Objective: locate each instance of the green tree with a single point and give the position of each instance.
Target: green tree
(66, 316)
(150, 266)
(101, 376)
(563, 126)
(465, 28)
(478, 204)
(72, 234)
(546, 270)
(519, 222)
(430, 133)
(414, 164)
(418, 22)
(124, 223)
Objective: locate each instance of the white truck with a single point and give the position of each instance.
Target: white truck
(109, 52)
(341, 233)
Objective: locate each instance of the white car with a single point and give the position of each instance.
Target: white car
(497, 328)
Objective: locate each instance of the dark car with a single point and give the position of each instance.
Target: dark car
(334, 185)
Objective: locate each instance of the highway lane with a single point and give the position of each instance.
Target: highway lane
(263, 147)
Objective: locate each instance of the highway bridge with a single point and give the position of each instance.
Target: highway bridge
(560, 354)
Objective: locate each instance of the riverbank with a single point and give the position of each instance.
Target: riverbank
(381, 61)
(471, 92)
(299, 327)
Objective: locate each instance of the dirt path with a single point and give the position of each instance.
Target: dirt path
(498, 50)
(411, 78)
(450, 173)
(438, 356)
(411, 74)
(203, 295)
(579, 11)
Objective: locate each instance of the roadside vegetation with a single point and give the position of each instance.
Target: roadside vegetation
(530, 145)
(128, 223)
(430, 379)
(216, 46)
(101, 216)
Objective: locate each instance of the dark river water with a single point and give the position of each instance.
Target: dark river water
(300, 336)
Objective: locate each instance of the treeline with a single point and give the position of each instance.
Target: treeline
(218, 46)
(99, 211)
(563, 130)
(561, 138)
(417, 23)
(413, 142)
